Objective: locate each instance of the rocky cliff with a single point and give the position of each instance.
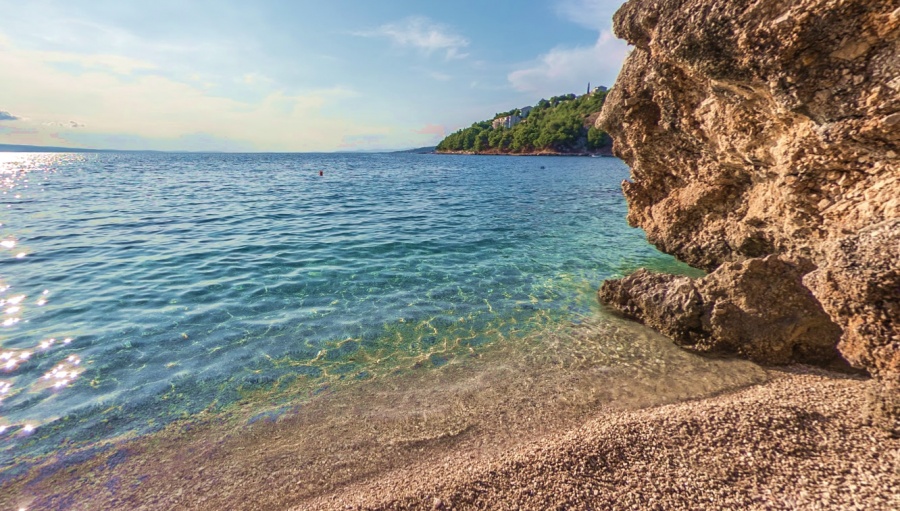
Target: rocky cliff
(764, 143)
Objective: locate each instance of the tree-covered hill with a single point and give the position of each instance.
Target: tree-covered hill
(562, 124)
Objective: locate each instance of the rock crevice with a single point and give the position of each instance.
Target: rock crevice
(764, 143)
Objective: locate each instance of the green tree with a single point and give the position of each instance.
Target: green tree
(562, 124)
(596, 138)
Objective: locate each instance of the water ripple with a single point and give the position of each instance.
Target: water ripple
(182, 281)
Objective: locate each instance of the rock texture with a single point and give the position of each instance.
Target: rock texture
(668, 303)
(732, 310)
(791, 443)
(858, 283)
(766, 135)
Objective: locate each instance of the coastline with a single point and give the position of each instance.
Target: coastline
(343, 331)
(606, 154)
(265, 453)
(793, 441)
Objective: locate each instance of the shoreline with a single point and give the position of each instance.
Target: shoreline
(792, 441)
(603, 154)
(478, 406)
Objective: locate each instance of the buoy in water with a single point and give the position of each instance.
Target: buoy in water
(321, 173)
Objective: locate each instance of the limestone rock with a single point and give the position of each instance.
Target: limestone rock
(767, 128)
(858, 283)
(758, 308)
(668, 303)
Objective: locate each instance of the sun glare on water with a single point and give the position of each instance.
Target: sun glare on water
(17, 183)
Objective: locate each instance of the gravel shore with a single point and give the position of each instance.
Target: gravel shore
(794, 442)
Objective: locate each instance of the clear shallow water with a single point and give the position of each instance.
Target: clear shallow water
(138, 289)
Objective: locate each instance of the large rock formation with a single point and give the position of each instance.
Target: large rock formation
(757, 308)
(764, 143)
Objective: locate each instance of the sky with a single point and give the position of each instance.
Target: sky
(333, 75)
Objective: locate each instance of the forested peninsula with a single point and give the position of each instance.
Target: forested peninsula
(561, 125)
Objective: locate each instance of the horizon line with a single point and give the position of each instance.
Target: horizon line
(26, 148)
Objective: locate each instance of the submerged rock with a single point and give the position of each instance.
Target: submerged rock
(764, 143)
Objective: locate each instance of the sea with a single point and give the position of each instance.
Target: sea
(141, 290)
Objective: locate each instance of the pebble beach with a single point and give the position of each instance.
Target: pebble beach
(795, 441)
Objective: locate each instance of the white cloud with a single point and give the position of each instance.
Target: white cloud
(423, 34)
(61, 124)
(363, 141)
(570, 69)
(106, 63)
(596, 14)
(255, 79)
(441, 77)
(147, 106)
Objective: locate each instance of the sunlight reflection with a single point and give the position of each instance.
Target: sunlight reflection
(10, 360)
(15, 300)
(15, 363)
(12, 164)
(12, 307)
(62, 375)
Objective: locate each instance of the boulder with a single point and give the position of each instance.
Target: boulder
(758, 308)
(764, 144)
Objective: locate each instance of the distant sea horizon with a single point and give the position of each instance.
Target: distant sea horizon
(24, 148)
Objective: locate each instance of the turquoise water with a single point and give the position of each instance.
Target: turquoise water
(137, 289)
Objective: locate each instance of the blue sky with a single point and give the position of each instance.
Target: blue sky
(287, 75)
